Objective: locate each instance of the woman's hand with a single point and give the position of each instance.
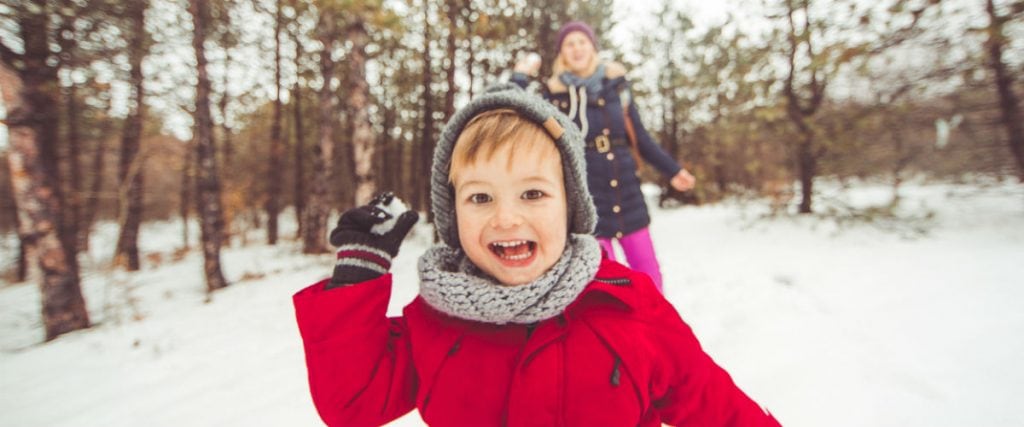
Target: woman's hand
(683, 181)
(529, 65)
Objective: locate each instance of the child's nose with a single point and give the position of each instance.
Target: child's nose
(506, 215)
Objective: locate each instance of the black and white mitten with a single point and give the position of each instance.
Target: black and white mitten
(368, 238)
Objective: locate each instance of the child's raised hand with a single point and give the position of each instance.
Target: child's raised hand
(368, 237)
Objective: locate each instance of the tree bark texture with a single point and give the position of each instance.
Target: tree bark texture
(300, 146)
(73, 217)
(92, 204)
(317, 210)
(800, 111)
(227, 147)
(275, 173)
(423, 154)
(452, 9)
(211, 216)
(30, 101)
(363, 138)
(807, 169)
(129, 171)
(185, 196)
(1008, 103)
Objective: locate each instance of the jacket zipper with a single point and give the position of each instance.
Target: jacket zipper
(451, 352)
(616, 374)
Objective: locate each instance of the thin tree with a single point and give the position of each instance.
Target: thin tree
(363, 138)
(188, 167)
(451, 13)
(315, 224)
(1009, 106)
(300, 141)
(92, 202)
(129, 172)
(208, 195)
(275, 172)
(423, 153)
(800, 109)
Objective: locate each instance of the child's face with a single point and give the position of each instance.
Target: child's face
(512, 215)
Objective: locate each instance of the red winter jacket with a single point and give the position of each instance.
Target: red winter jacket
(620, 355)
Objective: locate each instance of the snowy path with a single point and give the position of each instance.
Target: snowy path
(840, 327)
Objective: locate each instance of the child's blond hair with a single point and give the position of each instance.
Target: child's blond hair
(493, 129)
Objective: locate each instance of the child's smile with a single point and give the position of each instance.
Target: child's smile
(512, 252)
(512, 213)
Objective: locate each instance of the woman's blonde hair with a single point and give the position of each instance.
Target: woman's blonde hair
(493, 129)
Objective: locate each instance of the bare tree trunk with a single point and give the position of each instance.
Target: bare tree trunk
(227, 147)
(1008, 103)
(363, 146)
(807, 170)
(317, 210)
(275, 172)
(388, 163)
(471, 61)
(31, 117)
(73, 219)
(800, 111)
(423, 154)
(24, 246)
(211, 217)
(300, 147)
(187, 175)
(449, 96)
(129, 171)
(93, 200)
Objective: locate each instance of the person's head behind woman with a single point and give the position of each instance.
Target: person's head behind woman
(577, 50)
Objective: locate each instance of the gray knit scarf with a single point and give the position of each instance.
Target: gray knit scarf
(591, 82)
(450, 282)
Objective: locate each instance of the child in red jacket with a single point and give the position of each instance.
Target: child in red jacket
(520, 321)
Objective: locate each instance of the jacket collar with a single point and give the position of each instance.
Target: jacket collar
(613, 285)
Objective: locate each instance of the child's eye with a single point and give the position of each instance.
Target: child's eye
(479, 198)
(533, 194)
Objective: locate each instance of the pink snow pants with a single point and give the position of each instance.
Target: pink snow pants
(639, 252)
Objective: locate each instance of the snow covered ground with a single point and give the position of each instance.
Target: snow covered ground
(825, 323)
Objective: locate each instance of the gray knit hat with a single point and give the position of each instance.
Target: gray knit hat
(568, 140)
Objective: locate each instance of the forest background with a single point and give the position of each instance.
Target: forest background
(234, 113)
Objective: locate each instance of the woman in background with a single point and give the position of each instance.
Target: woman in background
(596, 96)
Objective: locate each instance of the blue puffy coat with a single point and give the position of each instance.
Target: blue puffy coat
(611, 169)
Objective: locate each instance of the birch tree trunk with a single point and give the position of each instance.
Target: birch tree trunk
(35, 192)
(211, 216)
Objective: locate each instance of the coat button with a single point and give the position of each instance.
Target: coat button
(618, 234)
(600, 102)
(565, 105)
(611, 156)
(616, 209)
(606, 131)
(614, 183)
